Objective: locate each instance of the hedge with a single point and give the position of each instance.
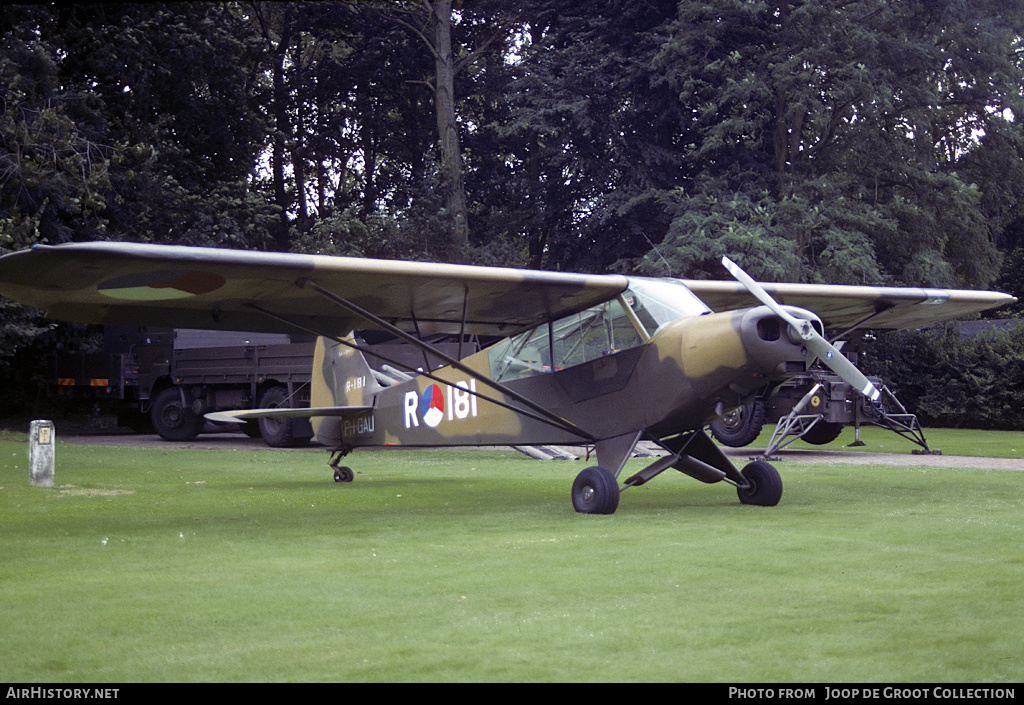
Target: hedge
(955, 380)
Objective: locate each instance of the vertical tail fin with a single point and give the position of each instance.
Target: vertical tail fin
(341, 377)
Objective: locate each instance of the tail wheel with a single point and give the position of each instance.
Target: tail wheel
(764, 485)
(595, 491)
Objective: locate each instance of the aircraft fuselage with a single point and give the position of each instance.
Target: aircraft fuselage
(682, 378)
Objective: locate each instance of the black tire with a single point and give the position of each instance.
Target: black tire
(173, 418)
(741, 426)
(595, 491)
(344, 474)
(765, 485)
(279, 433)
(822, 433)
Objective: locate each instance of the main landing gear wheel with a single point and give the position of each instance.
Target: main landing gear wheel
(764, 486)
(595, 491)
(344, 474)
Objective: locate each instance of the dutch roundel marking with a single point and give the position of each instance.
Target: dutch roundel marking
(161, 285)
(434, 405)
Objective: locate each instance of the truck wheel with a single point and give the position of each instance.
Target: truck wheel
(280, 433)
(174, 420)
(822, 433)
(740, 426)
(251, 429)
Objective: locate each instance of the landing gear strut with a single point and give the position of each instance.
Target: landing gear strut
(596, 489)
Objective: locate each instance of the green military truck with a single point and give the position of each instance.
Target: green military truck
(167, 379)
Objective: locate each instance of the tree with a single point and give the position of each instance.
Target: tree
(431, 22)
(849, 123)
(175, 87)
(53, 162)
(124, 122)
(586, 142)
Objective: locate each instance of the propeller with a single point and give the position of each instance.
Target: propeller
(815, 342)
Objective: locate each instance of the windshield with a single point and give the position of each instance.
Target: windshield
(572, 340)
(659, 301)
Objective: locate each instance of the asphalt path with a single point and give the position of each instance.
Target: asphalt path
(238, 441)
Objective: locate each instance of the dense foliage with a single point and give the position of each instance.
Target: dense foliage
(848, 141)
(949, 378)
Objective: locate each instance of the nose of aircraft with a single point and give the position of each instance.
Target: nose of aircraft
(808, 334)
(773, 344)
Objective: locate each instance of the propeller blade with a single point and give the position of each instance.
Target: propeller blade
(841, 365)
(816, 343)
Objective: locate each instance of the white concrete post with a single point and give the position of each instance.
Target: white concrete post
(40, 453)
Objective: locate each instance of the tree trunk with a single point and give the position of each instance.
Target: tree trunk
(281, 125)
(448, 130)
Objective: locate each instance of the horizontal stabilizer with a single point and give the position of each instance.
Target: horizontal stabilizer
(243, 415)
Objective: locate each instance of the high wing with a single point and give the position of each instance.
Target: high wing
(192, 287)
(118, 283)
(845, 307)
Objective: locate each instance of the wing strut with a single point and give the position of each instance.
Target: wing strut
(539, 412)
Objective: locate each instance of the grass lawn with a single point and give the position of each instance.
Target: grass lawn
(195, 565)
(951, 441)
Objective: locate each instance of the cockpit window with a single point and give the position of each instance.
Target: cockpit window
(569, 341)
(595, 332)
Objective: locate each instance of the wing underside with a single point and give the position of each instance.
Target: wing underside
(843, 307)
(189, 287)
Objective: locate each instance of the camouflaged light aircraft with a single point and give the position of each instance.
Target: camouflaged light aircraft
(604, 361)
